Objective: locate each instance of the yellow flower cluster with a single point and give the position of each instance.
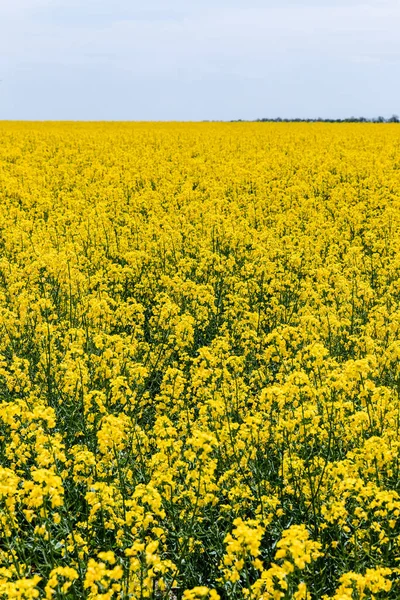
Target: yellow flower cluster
(199, 361)
(272, 583)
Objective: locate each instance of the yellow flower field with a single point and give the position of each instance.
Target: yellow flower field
(199, 361)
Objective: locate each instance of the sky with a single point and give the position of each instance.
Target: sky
(198, 59)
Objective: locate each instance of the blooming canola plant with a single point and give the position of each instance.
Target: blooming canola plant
(199, 361)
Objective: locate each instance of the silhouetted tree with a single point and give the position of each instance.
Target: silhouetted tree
(380, 119)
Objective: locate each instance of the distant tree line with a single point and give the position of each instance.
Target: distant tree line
(392, 119)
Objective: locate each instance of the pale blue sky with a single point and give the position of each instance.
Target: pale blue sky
(199, 59)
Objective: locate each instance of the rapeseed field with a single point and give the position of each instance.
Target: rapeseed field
(199, 361)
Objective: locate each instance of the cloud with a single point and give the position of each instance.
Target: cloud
(216, 45)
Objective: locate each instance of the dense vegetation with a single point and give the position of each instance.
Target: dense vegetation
(199, 361)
